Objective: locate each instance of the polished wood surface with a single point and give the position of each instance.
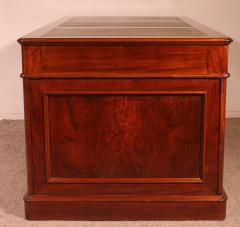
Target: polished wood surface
(124, 119)
(119, 140)
(135, 209)
(124, 59)
(46, 94)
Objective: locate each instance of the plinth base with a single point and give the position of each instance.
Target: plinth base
(166, 207)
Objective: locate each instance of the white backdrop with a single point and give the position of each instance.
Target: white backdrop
(18, 17)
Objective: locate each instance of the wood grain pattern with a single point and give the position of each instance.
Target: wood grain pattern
(112, 128)
(217, 59)
(130, 209)
(27, 124)
(32, 60)
(221, 135)
(124, 59)
(124, 119)
(189, 88)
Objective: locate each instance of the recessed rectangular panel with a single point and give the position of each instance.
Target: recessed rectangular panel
(124, 135)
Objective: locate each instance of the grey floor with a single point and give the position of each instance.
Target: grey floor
(13, 183)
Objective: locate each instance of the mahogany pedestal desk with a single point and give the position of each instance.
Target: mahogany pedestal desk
(124, 119)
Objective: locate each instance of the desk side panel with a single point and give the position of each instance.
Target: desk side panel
(67, 133)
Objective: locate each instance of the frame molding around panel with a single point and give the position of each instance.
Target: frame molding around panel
(50, 179)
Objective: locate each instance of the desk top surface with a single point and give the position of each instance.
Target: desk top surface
(124, 29)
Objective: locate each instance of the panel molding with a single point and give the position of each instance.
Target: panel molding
(133, 198)
(124, 180)
(50, 179)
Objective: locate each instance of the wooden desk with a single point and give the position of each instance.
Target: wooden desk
(124, 119)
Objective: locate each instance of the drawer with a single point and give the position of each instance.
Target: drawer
(115, 60)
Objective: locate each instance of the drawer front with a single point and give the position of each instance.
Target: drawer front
(120, 61)
(125, 136)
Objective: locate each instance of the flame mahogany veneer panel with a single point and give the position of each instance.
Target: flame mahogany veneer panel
(125, 136)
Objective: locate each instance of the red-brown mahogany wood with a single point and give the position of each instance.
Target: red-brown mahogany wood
(125, 127)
